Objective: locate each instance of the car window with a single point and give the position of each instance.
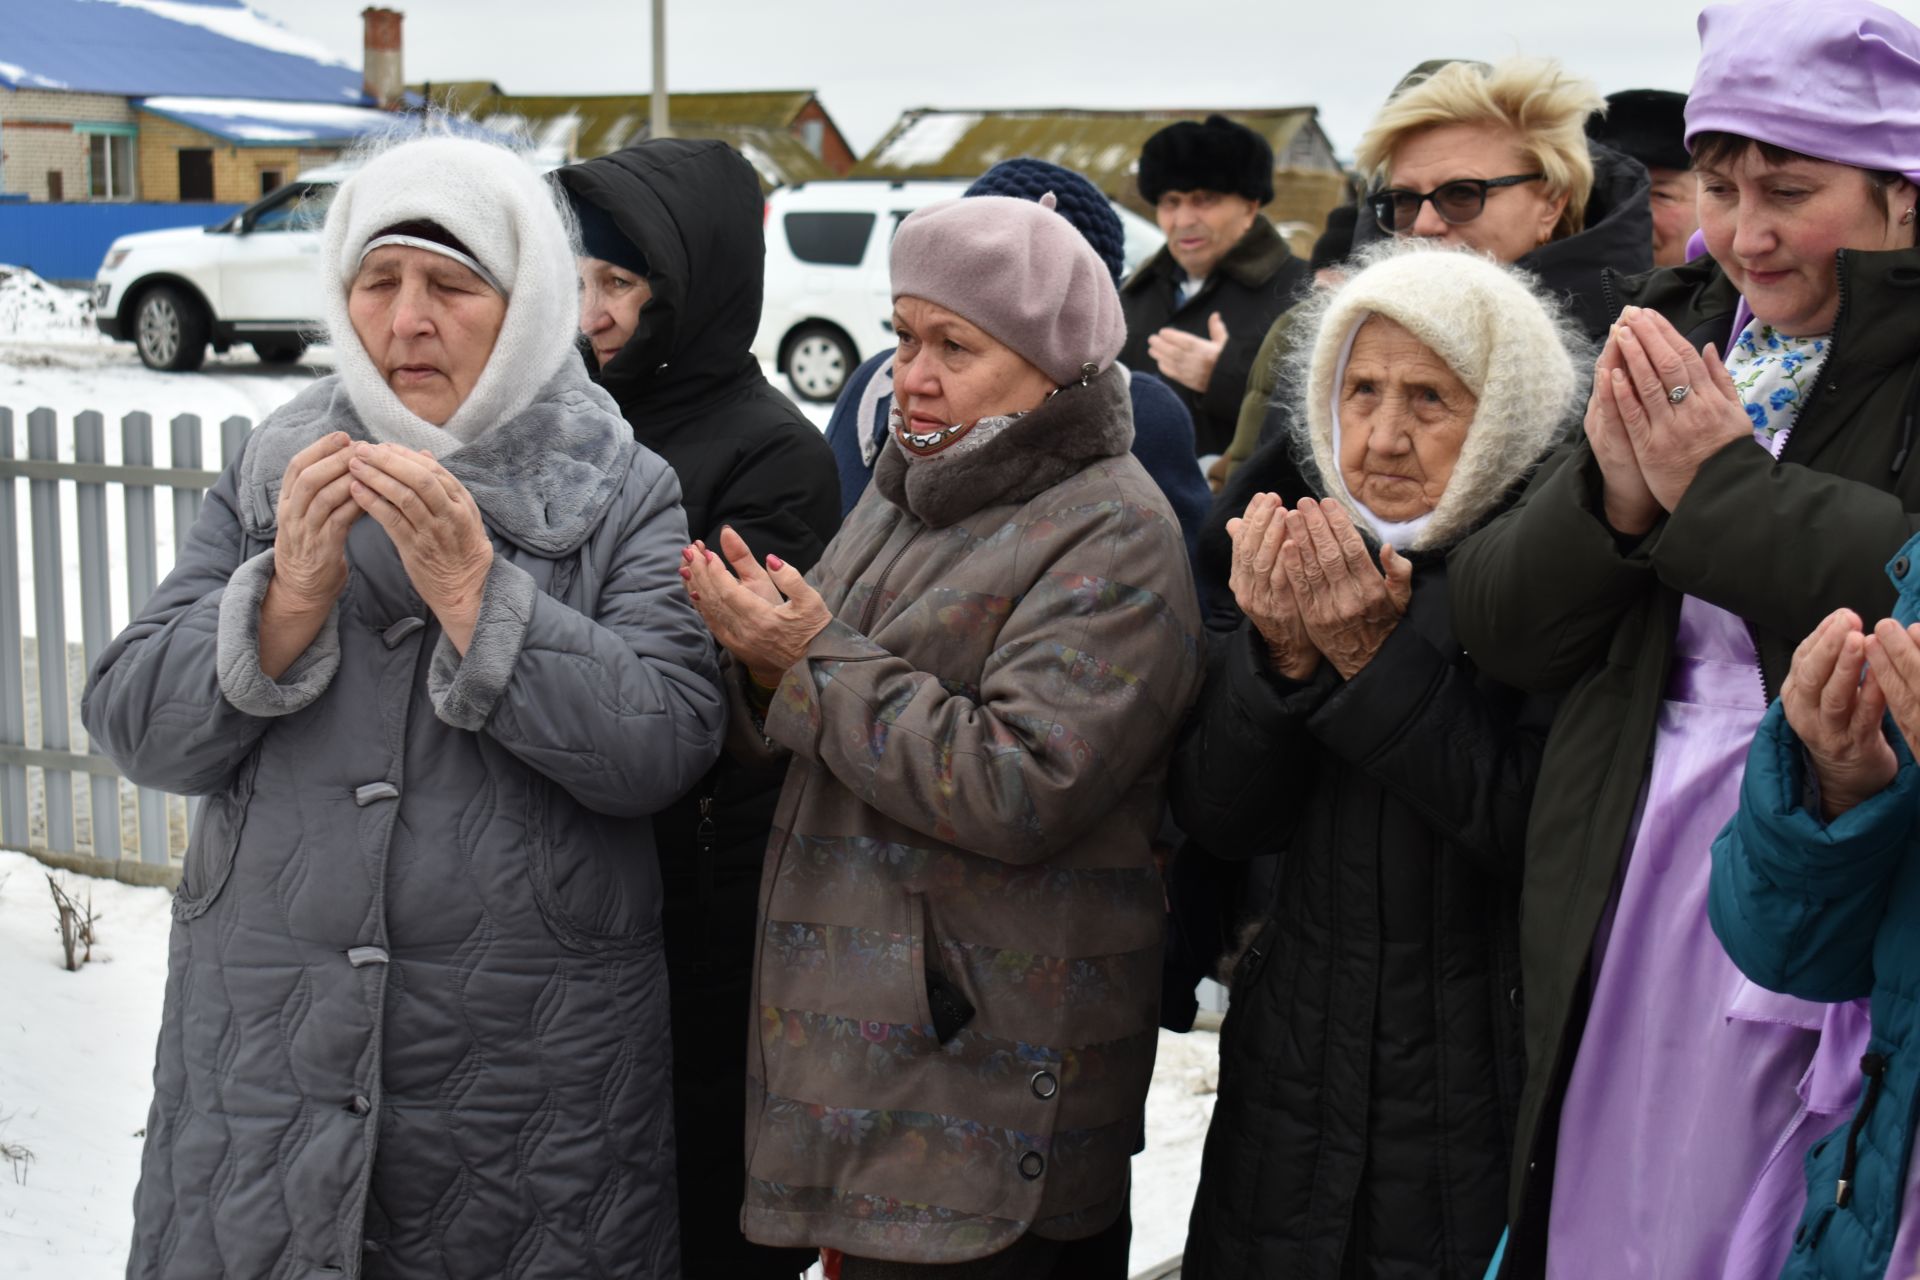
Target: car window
(305, 210)
(829, 239)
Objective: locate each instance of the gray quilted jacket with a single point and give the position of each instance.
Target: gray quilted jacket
(416, 1011)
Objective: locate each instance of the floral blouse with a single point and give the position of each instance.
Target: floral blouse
(1774, 375)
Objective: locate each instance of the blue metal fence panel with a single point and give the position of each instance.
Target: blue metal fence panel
(67, 241)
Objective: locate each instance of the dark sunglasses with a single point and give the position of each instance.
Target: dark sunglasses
(1396, 209)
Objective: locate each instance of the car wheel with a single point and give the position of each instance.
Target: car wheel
(818, 361)
(170, 330)
(279, 352)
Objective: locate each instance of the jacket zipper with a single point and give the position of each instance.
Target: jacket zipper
(1800, 419)
(1874, 1067)
(873, 599)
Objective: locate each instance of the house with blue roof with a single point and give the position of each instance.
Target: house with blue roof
(188, 101)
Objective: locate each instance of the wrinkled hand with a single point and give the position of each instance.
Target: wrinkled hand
(1186, 359)
(1893, 655)
(1671, 440)
(1262, 590)
(435, 526)
(316, 511)
(764, 616)
(1629, 506)
(1837, 714)
(1349, 607)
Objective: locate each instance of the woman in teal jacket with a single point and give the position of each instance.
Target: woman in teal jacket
(1816, 894)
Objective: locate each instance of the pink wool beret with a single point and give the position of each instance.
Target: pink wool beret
(1019, 271)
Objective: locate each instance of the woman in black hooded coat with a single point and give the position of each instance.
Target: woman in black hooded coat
(686, 217)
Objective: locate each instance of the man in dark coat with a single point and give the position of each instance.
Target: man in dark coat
(683, 220)
(1198, 310)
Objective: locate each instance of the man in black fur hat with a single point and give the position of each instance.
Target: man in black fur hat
(1650, 125)
(1199, 308)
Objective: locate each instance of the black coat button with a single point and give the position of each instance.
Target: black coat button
(1045, 1085)
(359, 1106)
(1900, 566)
(1513, 998)
(1032, 1165)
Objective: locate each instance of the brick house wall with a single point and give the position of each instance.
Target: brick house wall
(38, 139)
(236, 170)
(834, 152)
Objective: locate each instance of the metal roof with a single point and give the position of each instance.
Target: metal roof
(256, 122)
(140, 48)
(580, 126)
(1103, 145)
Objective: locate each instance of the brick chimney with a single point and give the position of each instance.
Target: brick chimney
(385, 78)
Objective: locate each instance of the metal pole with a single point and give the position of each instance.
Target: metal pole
(661, 127)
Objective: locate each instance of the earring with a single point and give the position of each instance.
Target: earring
(1907, 217)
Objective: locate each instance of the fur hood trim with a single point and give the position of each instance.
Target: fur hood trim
(1514, 347)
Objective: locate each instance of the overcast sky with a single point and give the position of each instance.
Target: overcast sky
(872, 59)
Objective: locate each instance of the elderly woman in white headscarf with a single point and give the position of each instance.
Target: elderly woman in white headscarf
(426, 657)
(1371, 1066)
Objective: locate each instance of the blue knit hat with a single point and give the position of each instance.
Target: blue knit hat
(1077, 200)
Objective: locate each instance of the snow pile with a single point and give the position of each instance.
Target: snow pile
(237, 22)
(77, 1071)
(261, 120)
(927, 139)
(21, 78)
(31, 308)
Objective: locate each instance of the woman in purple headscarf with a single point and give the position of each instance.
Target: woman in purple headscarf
(1746, 470)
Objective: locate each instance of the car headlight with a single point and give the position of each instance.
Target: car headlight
(114, 258)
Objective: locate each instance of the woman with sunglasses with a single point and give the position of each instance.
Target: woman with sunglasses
(1745, 472)
(1494, 158)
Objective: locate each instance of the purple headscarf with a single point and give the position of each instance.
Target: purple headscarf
(1836, 80)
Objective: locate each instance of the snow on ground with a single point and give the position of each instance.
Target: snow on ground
(76, 1069)
(77, 1065)
(29, 306)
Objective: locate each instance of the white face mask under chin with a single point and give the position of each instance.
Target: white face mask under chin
(1401, 533)
(982, 431)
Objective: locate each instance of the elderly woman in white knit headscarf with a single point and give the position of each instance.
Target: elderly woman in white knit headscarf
(1371, 1067)
(425, 657)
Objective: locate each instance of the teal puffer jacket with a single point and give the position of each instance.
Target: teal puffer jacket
(1831, 911)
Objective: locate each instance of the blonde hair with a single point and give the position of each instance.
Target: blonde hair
(1535, 98)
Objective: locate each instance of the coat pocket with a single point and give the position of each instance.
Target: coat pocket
(595, 881)
(920, 938)
(213, 843)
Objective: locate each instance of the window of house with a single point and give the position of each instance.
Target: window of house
(196, 173)
(829, 239)
(271, 180)
(110, 166)
(813, 136)
(56, 186)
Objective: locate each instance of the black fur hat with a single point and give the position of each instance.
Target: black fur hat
(1216, 156)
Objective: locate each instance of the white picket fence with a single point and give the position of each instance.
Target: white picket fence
(59, 799)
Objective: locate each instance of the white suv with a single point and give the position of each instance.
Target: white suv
(828, 301)
(253, 278)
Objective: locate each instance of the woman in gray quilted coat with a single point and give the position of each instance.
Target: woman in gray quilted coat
(424, 656)
(958, 976)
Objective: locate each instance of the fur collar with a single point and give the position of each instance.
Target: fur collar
(1078, 426)
(543, 479)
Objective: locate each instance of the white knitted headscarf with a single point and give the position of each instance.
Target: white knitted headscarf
(495, 204)
(1512, 347)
